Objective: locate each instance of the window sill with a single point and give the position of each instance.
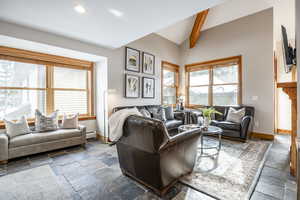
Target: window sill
(31, 121)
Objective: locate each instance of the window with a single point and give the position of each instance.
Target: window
(170, 76)
(214, 83)
(22, 91)
(29, 84)
(70, 90)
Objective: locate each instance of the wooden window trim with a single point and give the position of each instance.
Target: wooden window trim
(51, 61)
(210, 65)
(42, 58)
(173, 68)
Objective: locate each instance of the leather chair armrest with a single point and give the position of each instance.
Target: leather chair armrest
(181, 137)
(3, 147)
(245, 125)
(179, 116)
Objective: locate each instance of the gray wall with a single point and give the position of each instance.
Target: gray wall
(251, 37)
(161, 48)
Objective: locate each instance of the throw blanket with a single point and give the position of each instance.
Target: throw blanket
(116, 122)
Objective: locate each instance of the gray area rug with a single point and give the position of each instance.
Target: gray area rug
(39, 183)
(232, 175)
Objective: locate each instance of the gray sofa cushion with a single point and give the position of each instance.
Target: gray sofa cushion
(36, 138)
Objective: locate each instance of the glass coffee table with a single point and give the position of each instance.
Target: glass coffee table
(211, 131)
(188, 127)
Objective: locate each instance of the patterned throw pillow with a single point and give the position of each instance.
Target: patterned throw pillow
(235, 115)
(70, 121)
(46, 123)
(160, 114)
(145, 113)
(14, 129)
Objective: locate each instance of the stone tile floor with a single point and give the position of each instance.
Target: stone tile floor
(94, 174)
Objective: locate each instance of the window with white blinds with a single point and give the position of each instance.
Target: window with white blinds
(70, 90)
(29, 83)
(169, 83)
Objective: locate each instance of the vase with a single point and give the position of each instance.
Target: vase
(206, 122)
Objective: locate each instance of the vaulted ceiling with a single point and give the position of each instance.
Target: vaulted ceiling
(110, 23)
(220, 14)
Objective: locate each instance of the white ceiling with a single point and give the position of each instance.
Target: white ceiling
(220, 14)
(48, 49)
(98, 25)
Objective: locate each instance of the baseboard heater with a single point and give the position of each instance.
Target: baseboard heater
(90, 134)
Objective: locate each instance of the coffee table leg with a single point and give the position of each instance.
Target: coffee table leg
(202, 144)
(220, 142)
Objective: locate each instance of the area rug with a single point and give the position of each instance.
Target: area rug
(233, 173)
(37, 183)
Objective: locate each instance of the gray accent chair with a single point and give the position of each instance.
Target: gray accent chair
(33, 143)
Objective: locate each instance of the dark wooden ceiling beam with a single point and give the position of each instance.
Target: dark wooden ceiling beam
(199, 21)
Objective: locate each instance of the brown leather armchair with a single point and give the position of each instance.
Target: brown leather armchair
(149, 155)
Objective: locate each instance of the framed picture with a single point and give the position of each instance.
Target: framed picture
(132, 59)
(148, 63)
(148, 87)
(132, 86)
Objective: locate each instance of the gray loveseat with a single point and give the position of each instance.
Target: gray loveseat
(33, 143)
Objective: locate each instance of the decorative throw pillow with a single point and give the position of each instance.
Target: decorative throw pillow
(235, 115)
(169, 112)
(46, 123)
(70, 121)
(14, 129)
(160, 114)
(145, 113)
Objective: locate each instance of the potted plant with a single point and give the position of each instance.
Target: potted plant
(207, 112)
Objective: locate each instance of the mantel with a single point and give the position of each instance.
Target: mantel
(290, 88)
(287, 85)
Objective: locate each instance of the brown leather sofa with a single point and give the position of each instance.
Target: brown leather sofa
(171, 125)
(149, 155)
(240, 131)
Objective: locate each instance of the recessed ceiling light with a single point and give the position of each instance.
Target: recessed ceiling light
(80, 9)
(115, 12)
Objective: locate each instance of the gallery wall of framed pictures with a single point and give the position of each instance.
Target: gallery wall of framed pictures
(139, 74)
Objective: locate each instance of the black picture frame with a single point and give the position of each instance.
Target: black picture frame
(127, 66)
(144, 64)
(126, 95)
(144, 79)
